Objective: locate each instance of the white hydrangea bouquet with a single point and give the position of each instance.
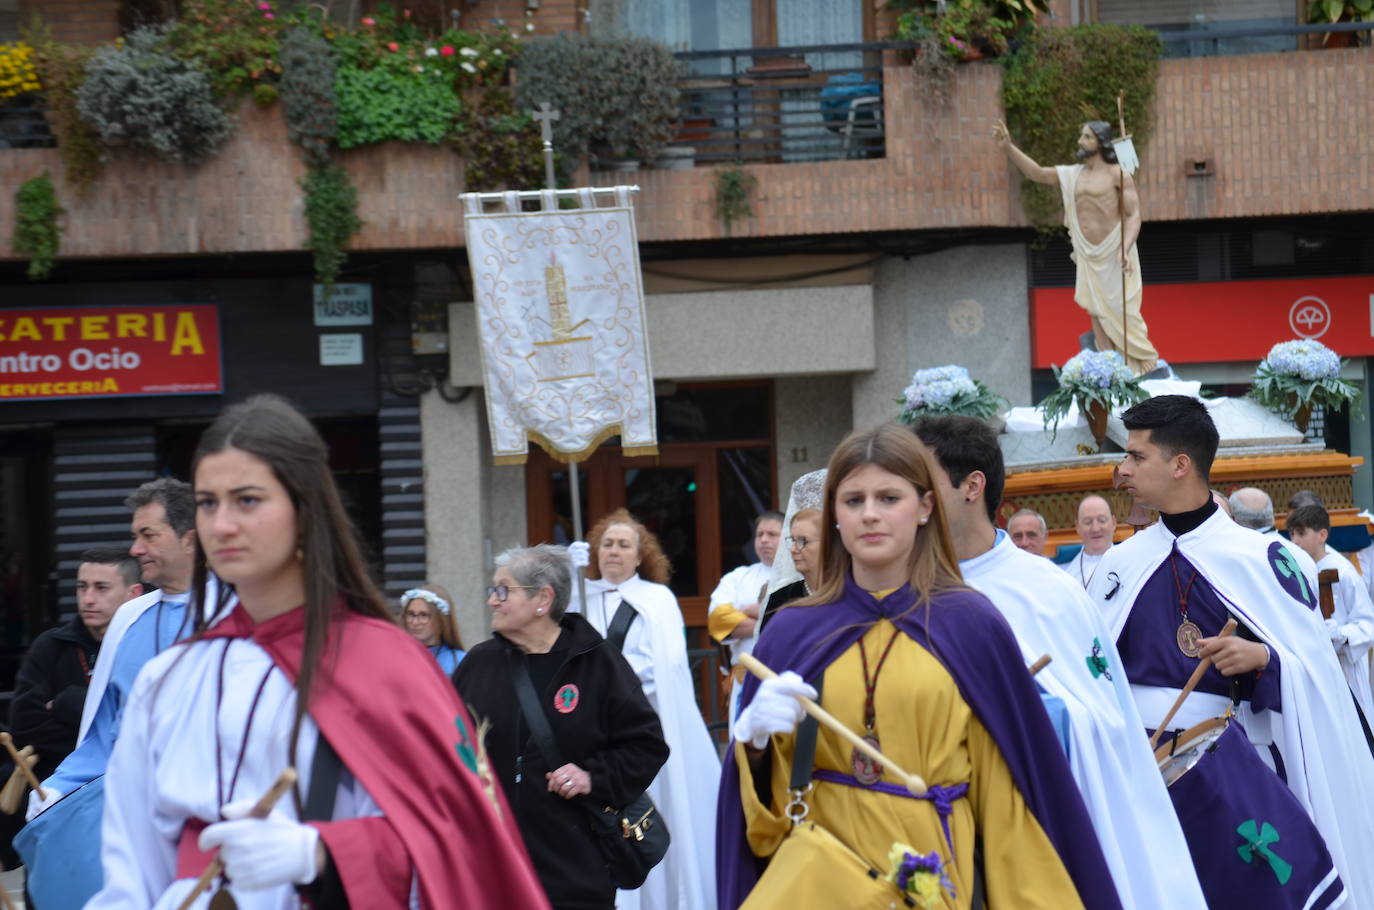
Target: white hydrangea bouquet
(1091, 378)
(947, 390)
(1298, 375)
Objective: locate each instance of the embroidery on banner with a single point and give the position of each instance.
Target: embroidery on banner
(1290, 576)
(565, 702)
(467, 751)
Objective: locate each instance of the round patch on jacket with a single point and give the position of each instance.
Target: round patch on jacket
(565, 702)
(1289, 575)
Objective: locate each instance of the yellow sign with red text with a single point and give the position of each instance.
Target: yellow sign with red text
(97, 352)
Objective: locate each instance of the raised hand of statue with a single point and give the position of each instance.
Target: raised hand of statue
(1000, 134)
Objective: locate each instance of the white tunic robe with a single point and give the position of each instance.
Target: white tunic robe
(686, 785)
(1324, 752)
(1082, 567)
(1354, 619)
(163, 770)
(1109, 755)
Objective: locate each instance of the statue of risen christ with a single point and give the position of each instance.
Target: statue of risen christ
(1102, 214)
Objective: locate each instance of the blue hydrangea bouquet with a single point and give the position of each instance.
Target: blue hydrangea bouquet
(1097, 381)
(1298, 375)
(947, 390)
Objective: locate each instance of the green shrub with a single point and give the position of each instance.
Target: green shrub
(618, 97)
(501, 147)
(36, 233)
(141, 96)
(234, 42)
(396, 100)
(307, 87)
(62, 69)
(1061, 78)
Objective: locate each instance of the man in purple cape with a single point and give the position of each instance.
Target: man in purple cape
(977, 648)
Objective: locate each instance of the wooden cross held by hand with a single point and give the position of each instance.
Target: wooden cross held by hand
(20, 764)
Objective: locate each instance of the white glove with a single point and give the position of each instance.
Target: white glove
(580, 552)
(1333, 629)
(774, 710)
(37, 805)
(262, 853)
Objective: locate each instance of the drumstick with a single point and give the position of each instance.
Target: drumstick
(913, 782)
(1041, 663)
(261, 809)
(19, 762)
(1188, 688)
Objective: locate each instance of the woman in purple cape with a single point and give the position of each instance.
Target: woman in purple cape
(926, 668)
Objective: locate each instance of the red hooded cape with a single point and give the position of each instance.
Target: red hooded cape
(398, 725)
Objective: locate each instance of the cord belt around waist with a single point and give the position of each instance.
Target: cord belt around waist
(942, 798)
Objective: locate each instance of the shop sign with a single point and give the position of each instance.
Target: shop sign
(114, 351)
(346, 304)
(1221, 321)
(341, 350)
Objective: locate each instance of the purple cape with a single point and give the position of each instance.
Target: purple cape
(976, 646)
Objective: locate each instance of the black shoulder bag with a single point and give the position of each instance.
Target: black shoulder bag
(632, 839)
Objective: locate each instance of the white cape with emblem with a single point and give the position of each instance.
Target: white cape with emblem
(560, 318)
(1317, 732)
(1108, 753)
(124, 618)
(685, 788)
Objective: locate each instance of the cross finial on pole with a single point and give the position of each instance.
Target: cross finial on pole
(546, 115)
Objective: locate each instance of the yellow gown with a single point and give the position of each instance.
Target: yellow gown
(926, 727)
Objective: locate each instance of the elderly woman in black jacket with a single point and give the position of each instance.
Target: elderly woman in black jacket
(609, 740)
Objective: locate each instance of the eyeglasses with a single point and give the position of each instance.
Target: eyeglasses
(501, 592)
(416, 617)
(798, 543)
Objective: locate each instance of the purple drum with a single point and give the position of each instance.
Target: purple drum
(1252, 843)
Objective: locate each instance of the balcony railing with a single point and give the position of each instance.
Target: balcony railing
(1261, 36)
(783, 104)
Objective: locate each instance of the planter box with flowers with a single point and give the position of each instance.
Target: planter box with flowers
(1096, 381)
(1299, 375)
(947, 390)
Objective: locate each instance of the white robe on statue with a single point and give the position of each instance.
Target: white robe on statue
(163, 770)
(1353, 624)
(1317, 732)
(1109, 756)
(1098, 287)
(686, 785)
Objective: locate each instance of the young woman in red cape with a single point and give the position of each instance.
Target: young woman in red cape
(393, 807)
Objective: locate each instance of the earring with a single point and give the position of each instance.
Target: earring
(924, 520)
(300, 555)
(837, 526)
(539, 611)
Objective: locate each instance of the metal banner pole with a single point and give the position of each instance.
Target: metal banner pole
(546, 115)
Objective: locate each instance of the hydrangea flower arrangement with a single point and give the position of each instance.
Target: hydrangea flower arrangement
(1091, 377)
(921, 877)
(1298, 375)
(947, 390)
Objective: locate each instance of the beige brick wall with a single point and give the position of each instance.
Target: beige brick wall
(75, 21)
(1285, 134)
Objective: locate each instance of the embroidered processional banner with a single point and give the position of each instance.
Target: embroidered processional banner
(560, 318)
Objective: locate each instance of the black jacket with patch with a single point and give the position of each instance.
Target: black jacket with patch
(602, 723)
(55, 671)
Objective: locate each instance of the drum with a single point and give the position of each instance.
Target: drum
(1251, 841)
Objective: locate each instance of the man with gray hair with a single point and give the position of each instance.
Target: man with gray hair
(1028, 531)
(1252, 508)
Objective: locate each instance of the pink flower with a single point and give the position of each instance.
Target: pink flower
(393, 46)
(369, 21)
(446, 50)
(268, 16)
(264, 6)
(405, 14)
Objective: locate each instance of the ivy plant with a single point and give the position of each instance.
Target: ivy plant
(61, 69)
(733, 186)
(501, 147)
(36, 231)
(1062, 77)
(331, 211)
